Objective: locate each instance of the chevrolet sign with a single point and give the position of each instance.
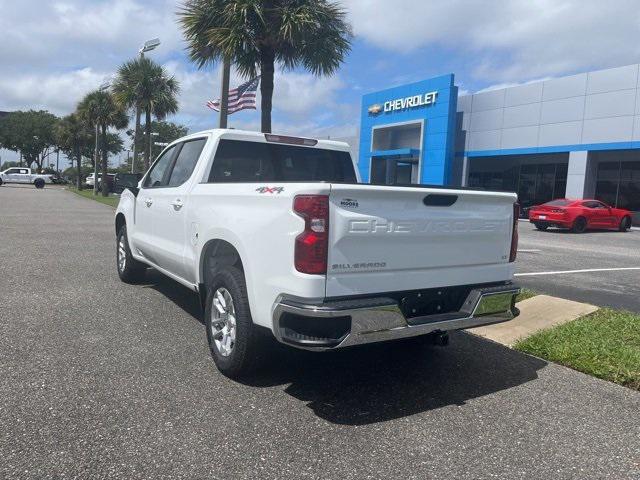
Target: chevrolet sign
(397, 104)
(410, 102)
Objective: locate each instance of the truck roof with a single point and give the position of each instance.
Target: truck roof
(252, 136)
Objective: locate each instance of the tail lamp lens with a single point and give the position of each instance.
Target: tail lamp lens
(311, 246)
(514, 233)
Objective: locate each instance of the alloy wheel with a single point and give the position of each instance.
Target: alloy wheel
(122, 254)
(223, 322)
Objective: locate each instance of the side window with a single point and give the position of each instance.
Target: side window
(186, 161)
(588, 204)
(23, 171)
(157, 174)
(12, 171)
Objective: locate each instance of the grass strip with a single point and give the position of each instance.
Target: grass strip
(605, 344)
(524, 294)
(111, 200)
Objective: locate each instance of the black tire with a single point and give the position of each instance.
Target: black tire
(132, 271)
(0, 182)
(39, 183)
(625, 224)
(579, 225)
(541, 226)
(242, 358)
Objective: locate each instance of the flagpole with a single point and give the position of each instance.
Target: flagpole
(224, 95)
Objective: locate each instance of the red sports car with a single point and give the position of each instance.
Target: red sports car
(579, 215)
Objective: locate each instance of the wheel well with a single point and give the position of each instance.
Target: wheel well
(216, 254)
(120, 221)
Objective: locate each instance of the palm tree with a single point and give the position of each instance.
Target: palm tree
(72, 137)
(100, 108)
(144, 84)
(257, 34)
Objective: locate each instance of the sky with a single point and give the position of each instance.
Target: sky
(53, 52)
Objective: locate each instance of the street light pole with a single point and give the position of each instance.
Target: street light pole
(103, 87)
(95, 164)
(147, 47)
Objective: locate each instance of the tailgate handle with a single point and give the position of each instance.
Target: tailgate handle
(439, 200)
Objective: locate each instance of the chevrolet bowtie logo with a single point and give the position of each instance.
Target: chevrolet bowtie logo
(375, 109)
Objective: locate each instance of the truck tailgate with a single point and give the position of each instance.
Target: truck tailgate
(385, 239)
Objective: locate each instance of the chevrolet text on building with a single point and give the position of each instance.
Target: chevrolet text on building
(414, 101)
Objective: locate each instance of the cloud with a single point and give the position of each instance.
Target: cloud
(506, 40)
(58, 93)
(78, 33)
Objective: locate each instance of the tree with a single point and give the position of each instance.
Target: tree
(31, 133)
(100, 108)
(256, 34)
(167, 133)
(73, 136)
(144, 84)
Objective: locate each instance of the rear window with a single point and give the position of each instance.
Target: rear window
(559, 203)
(240, 161)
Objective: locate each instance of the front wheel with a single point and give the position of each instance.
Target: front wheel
(39, 183)
(0, 181)
(541, 226)
(625, 224)
(234, 341)
(129, 269)
(580, 225)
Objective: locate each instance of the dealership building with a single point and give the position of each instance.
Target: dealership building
(574, 137)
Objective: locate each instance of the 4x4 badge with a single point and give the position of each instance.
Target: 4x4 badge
(270, 190)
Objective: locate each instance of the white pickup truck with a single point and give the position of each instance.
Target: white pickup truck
(276, 234)
(24, 175)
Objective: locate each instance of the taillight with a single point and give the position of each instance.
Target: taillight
(514, 233)
(312, 245)
(558, 210)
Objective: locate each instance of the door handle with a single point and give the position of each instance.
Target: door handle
(177, 204)
(148, 202)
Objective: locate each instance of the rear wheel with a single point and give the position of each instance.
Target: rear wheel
(541, 226)
(579, 225)
(129, 269)
(625, 224)
(234, 340)
(39, 183)
(0, 181)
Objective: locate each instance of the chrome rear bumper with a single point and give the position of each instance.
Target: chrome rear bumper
(380, 319)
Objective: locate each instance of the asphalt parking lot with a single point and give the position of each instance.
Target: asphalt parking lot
(547, 262)
(105, 380)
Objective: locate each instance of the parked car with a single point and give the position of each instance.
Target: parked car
(579, 215)
(277, 236)
(125, 180)
(110, 178)
(24, 175)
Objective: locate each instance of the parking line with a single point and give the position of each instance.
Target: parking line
(529, 250)
(584, 270)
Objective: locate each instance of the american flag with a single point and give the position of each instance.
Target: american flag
(241, 98)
